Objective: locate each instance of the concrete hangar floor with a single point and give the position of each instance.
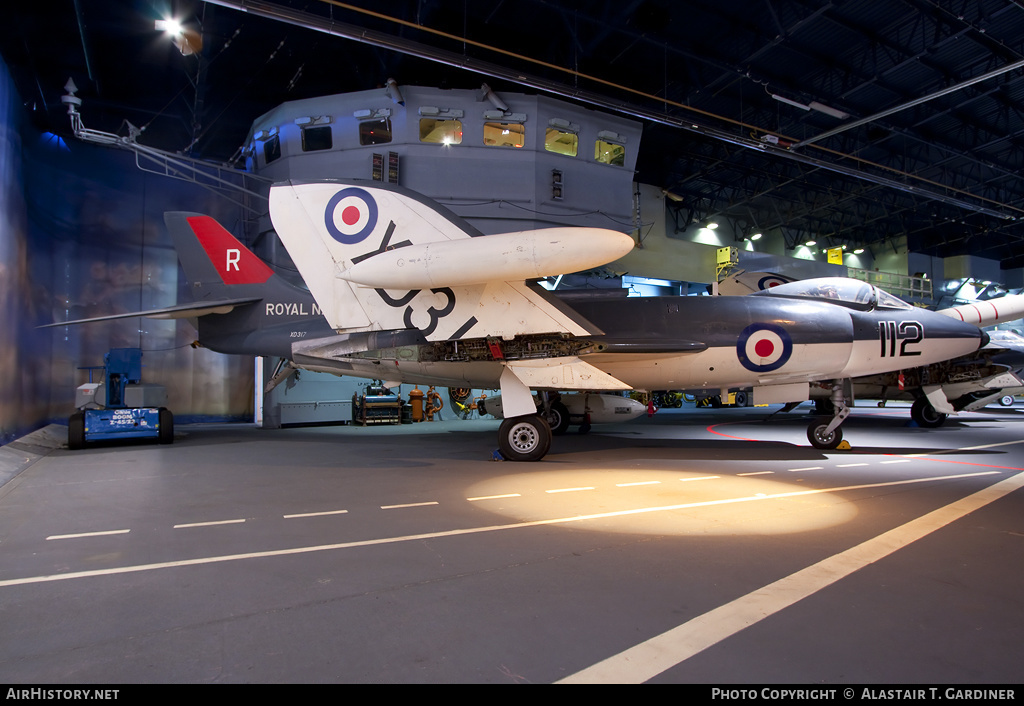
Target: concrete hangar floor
(697, 546)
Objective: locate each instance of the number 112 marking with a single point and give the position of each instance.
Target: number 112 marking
(908, 332)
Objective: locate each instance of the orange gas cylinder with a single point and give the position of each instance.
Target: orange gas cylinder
(416, 400)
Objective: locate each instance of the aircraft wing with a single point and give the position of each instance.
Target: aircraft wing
(569, 373)
(179, 311)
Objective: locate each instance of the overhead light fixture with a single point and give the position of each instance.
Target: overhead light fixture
(188, 41)
(811, 243)
(858, 251)
(171, 27)
(711, 226)
(793, 103)
(813, 105)
(828, 110)
(755, 236)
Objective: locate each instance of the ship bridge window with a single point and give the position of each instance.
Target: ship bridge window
(316, 138)
(375, 132)
(610, 153)
(561, 141)
(504, 134)
(272, 149)
(441, 131)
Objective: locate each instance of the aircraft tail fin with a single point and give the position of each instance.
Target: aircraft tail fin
(380, 257)
(215, 262)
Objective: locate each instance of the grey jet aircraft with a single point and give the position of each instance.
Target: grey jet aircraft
(401, 289)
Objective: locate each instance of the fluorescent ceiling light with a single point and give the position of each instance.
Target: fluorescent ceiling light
(787, 101)
(828, 110)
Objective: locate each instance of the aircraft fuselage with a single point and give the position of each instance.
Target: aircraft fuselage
(659, 343)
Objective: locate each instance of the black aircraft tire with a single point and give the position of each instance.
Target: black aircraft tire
(925, 415)
(525, 438)
(819, 440)
(1006, 400)
(166, 427)
(76, 431)
(557, 418)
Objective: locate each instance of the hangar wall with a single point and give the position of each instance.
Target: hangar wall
(82, 234)
(23, 382)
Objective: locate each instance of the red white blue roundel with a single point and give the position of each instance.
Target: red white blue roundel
(764, 347)
(769, 281)
(351, 215)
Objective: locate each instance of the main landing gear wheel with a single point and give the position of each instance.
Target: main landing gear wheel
(525, 438)
(1006, 400)
(557, 418)
(819, 439)
(925, 415)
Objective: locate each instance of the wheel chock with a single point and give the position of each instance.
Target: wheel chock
(844, 446)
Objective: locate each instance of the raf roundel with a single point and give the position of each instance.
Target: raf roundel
(763, 348)
(769, 281)
(350, 216)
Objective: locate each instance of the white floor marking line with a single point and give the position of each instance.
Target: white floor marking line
(797, 470)
(686, 480)
(396, 507)
(209, 524)
(570, 490)
(639, 482)
(459, 532)
(315, 514)
(966, 448)
(495, 497)
(86, 534)
(649, 659)
(757, 473)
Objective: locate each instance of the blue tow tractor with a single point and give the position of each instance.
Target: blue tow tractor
(121, 406)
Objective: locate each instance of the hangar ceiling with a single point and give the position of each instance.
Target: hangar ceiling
(877, 123)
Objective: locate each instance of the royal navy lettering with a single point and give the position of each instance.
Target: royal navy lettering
(292, 309)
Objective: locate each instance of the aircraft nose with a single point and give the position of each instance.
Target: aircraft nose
(984, 340)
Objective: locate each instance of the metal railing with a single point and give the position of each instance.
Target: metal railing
(903, 286)
(234, 184)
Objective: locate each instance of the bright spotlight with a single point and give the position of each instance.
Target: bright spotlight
(171, 27)
(188, 41)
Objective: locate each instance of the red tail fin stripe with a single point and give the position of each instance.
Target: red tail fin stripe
(234, 262)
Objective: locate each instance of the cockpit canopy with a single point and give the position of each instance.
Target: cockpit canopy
(838, 290)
